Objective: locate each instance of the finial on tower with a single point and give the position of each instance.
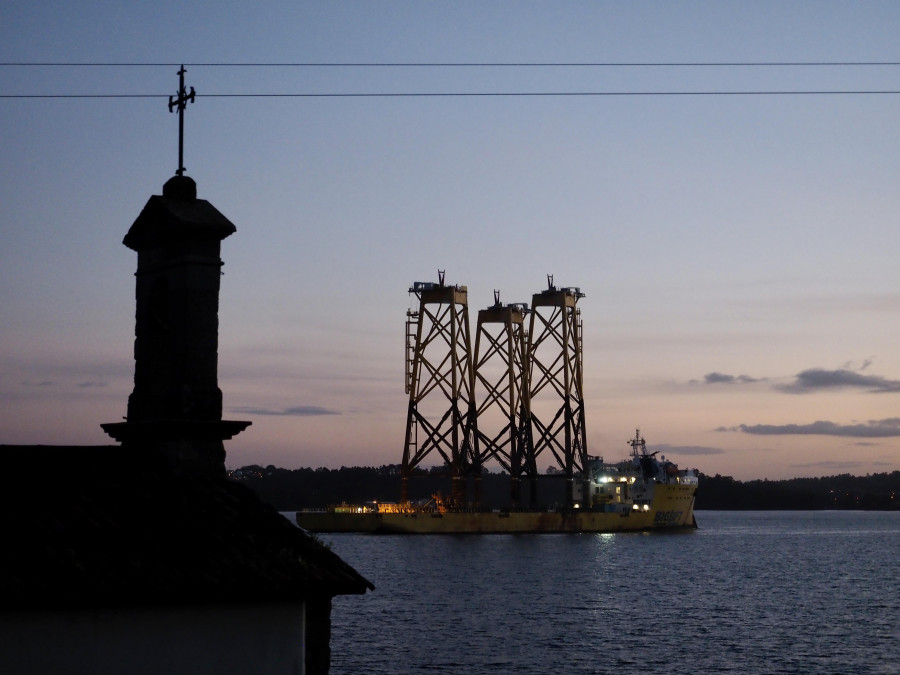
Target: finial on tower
(180, 102)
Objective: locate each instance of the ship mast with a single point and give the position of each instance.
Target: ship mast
(638, 445)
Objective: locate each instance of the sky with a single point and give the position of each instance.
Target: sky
(737, 253)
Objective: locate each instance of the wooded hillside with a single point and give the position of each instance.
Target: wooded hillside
(308, 488)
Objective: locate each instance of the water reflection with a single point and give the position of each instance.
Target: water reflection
(747, 592)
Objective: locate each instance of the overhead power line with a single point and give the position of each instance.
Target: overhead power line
(426, 94)
(498, 64)
(821, 92)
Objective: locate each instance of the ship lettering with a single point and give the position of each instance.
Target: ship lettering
(667, 517)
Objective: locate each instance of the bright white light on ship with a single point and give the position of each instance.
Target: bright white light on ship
(635, 507)
(646, 507)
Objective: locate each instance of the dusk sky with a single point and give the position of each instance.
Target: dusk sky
(738, 252)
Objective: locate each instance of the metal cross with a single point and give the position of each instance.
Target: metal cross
(180, 103)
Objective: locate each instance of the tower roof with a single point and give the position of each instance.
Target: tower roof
(177, 215)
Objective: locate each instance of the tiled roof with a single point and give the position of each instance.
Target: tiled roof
(91, 526)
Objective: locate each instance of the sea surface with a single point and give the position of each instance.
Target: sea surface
(748, 592)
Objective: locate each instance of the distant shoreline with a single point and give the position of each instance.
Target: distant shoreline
(294, 489)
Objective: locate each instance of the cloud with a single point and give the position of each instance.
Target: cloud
(296, 411)
(722, 378)
(89, 384)
(831, 465)
(886, 428)
(676, 450)
(817, 379)
(865, 364)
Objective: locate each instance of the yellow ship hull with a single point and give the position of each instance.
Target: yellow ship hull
(672, 507)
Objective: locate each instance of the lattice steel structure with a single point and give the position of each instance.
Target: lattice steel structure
(555, 382)
(439, 381)
(501, 391)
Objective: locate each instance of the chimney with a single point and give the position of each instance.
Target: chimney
(175, 410)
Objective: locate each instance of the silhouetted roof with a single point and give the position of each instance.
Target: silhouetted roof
(88, 526)
(177, 214)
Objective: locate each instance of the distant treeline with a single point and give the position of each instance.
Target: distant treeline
(879, 491)
(290, 490)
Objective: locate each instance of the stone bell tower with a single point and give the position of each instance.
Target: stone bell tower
(175, 410)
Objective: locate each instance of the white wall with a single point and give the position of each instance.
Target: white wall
(218, 639)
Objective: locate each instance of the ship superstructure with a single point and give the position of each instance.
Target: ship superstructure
(632, 484)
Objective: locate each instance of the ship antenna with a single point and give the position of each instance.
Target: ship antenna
(638, 442)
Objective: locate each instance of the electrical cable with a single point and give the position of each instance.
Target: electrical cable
(586, 64)
(609, 64)
(795, 92)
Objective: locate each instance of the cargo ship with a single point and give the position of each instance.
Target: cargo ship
(642, 492)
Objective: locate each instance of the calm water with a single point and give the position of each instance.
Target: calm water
(753, 592)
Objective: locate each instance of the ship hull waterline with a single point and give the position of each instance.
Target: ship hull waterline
(672, 508)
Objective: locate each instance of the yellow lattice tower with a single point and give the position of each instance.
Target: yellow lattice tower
(555, 384)
(439, 382)
(501, 391)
